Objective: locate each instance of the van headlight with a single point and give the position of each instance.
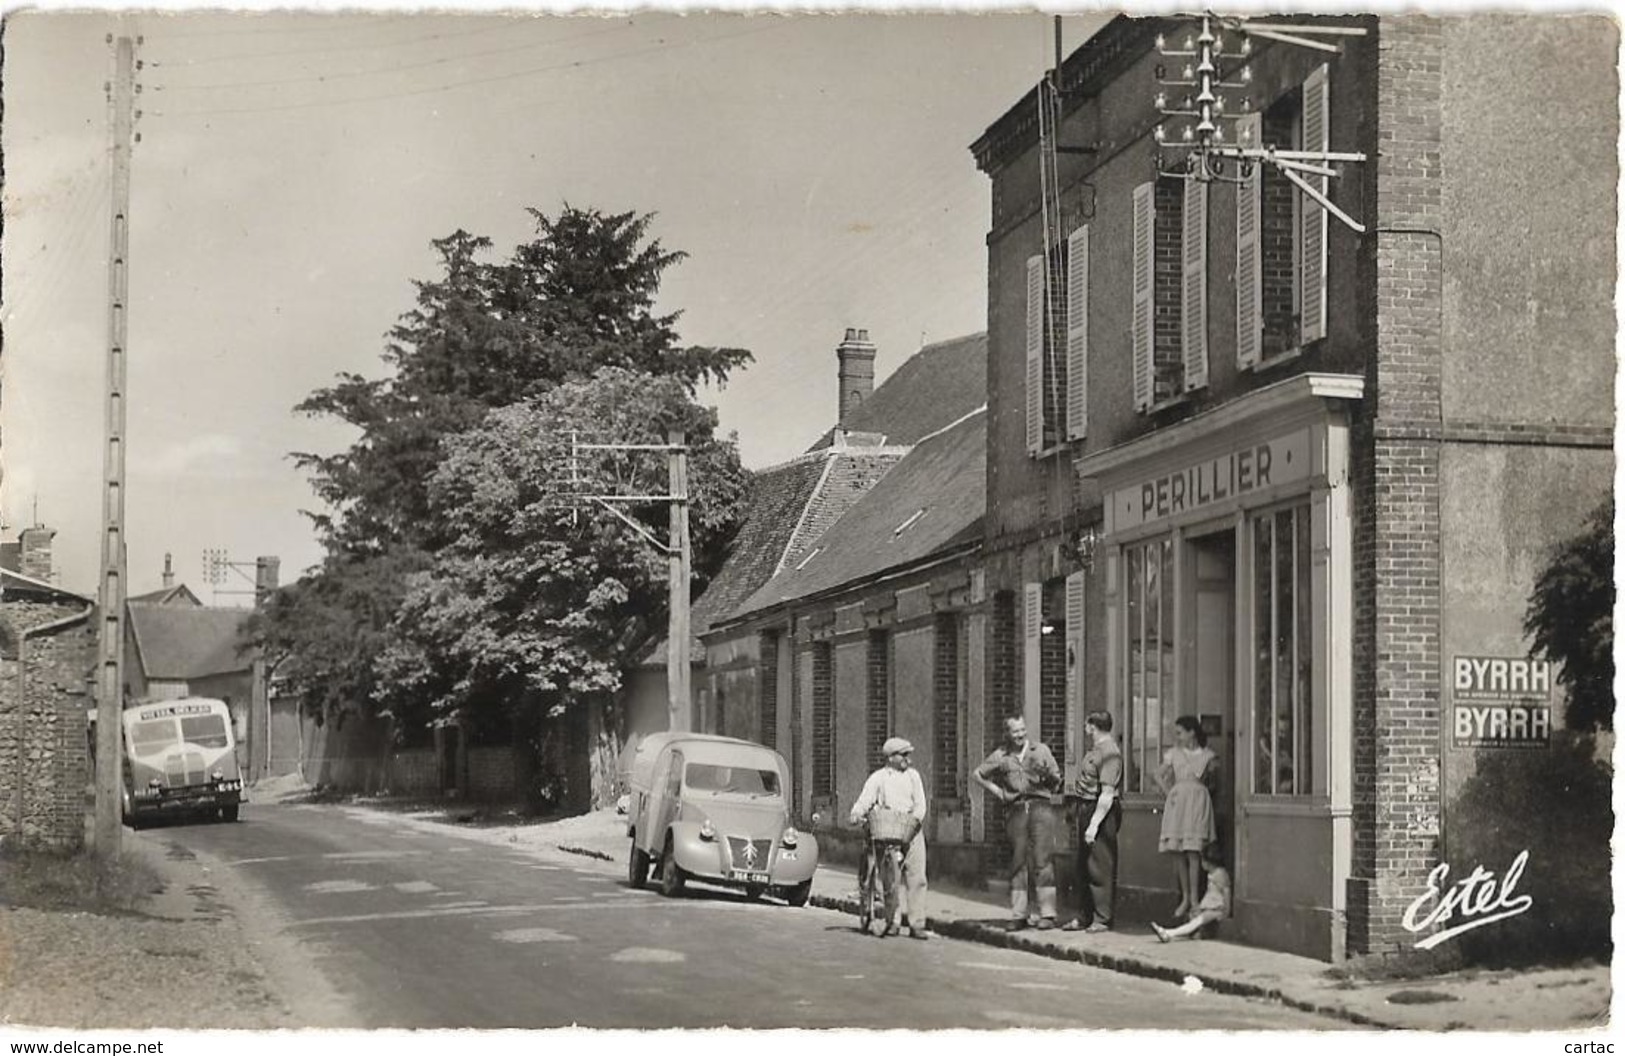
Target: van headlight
(791, 837)
(706, 831)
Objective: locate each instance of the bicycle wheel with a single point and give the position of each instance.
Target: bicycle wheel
(866, 893)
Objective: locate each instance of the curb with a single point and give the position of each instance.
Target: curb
(986, 935)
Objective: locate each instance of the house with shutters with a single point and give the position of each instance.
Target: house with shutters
(791, 505)
(1283, 460)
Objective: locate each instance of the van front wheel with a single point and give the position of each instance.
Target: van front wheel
(671, 874)
(637, 866)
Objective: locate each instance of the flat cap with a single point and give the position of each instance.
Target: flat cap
(894, 745)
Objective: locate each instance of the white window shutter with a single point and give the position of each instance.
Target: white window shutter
(1074, 669)
(1193, 285)
(1144, 317)
(1077, 334)
(1312, 278)
(1249, 260)
(1035, 355)
(1032, 619)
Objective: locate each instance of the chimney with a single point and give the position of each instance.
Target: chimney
(169, 572)
(35, 543)
(857, 372)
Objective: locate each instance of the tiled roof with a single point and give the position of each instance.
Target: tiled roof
(181, 642)
(938, 385)
(176, 595)
(15, 584)
(933, 500)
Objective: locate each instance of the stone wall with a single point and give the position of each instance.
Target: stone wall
(44, 701)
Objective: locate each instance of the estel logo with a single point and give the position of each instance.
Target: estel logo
(1476, 898)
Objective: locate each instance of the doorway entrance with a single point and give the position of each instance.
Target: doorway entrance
(1209, 634)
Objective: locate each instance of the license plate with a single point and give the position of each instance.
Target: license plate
(748, 877)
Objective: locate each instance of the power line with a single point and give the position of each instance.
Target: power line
(315, 78)
(339, 48)
(778, 23)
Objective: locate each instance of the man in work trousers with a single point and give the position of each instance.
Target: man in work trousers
(1100, 814)
(1022, 774)
(897, 786)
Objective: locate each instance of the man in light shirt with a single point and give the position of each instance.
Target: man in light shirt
(897, 786)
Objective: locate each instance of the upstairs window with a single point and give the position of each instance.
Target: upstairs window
(1169, 321)
(1058, 344)
(1281, 234)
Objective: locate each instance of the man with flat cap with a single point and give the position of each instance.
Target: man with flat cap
(897, 786)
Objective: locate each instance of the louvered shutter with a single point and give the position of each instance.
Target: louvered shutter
(1035, 355)
(1077, 334)
(1312, 278)
(1193, 285)
(1074, 670)
(1145, 218)
(1249, 261)
(1032, 619)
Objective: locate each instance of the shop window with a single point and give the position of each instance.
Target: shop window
(1283, 658)
(1150, 706)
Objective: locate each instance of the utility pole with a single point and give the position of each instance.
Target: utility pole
(110, 697)
(679, 698)
(679, 695)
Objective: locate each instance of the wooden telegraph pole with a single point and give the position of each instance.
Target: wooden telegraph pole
(679, 694)
(679, 698)
(110, 686)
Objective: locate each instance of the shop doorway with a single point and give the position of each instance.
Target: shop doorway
(1210, 662)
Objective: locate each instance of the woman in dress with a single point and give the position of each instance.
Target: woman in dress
(1188, 775)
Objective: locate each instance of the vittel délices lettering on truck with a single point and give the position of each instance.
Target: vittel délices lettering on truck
(179, 756)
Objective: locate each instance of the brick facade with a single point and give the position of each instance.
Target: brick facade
(1278, 235)
(44, 736)
(767, 688)
(947, 773)
(823, 719)
(1168, 257)
(1052, 674)
(1003, 689)
(877, 701)
(1397, 793)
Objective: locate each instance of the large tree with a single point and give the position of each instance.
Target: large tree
(1571, 620)
(577, 297)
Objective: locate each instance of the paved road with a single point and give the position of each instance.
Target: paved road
(424, 928)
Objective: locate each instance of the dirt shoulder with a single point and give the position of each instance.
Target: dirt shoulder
(204, 952)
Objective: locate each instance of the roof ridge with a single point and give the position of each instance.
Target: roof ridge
(805, 456)
(806, 509)
(956, 423)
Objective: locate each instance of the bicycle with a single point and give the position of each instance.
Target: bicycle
(889, 833)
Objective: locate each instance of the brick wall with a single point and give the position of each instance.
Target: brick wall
(823, 719)
(491, 773)
(767, 688)
(1397, 660)
(946, 709)
(1052, 679)
(877, 702)
(1278, 235)
(44, 736)
(1168, 257)
(414, 771)
(1003, 691)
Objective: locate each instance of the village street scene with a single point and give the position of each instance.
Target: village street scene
(1007, 521)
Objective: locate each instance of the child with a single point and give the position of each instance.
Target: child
(1215, 903)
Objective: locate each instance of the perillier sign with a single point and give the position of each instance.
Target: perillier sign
(1501, 702)
(1211, 480)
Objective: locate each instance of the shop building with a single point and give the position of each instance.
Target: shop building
(1248, 463)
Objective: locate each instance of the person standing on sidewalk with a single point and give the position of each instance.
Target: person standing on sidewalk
(1022, 774)
(1189, 776)
(897, 786)
(1100, 814)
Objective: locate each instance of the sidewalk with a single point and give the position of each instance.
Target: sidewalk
(1570, 999)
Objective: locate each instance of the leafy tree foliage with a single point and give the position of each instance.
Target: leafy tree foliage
(539, 596)
(577, 297)
(1571, 619)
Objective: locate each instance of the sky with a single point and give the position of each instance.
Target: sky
(292, 170)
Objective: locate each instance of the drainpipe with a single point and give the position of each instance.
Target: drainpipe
(22, 694)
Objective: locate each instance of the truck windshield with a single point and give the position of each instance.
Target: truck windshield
(707, 777)
(153, 732)
(205, 731)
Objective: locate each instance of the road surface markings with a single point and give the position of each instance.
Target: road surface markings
(416, 887)
(534, 935)
(647, 955)
(338, 887)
